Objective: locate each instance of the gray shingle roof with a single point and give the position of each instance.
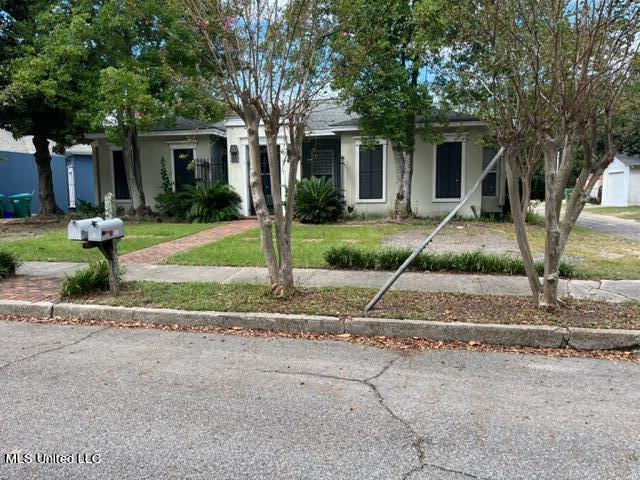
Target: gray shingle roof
(629, 161)
(182, 123)
(449, 116)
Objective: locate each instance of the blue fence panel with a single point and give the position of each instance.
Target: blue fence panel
(19, 174)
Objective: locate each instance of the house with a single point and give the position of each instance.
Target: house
(333, 149)
(72, 172)
(621, 182)
(190, 150)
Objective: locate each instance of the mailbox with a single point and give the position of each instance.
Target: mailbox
(105, 230)
(79, 229)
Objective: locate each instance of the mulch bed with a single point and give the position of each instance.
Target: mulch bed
(350, 302)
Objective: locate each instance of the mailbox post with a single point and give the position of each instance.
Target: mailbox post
(103, 235)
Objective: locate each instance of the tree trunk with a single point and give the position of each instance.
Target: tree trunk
(257, 196)
(131, 157)
(519, 222)
(48, 204)
(404, 174)
(552, 246)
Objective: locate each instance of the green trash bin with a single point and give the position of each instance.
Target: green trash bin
(567, 194)
(21, 204)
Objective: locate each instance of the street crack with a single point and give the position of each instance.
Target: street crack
(417, 440)
(60, 347)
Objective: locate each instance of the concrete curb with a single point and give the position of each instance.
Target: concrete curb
(490, 334)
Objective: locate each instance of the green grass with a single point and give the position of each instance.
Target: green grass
(629, 213)
(309, 244)
(54, 246)
(350, 302)
(598, 255)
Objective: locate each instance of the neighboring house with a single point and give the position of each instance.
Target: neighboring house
(72, 172)
(621, 182)
(190, 150)
(332, 149)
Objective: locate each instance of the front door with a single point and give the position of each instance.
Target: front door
(184, 172)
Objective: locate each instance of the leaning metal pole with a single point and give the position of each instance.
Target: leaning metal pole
(428, 240)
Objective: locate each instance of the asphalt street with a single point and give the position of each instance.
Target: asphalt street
(151, 404)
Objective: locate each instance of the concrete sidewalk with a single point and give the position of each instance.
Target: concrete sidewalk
(615, 291)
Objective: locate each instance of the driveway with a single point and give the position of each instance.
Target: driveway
(147, 404)
(620, 227)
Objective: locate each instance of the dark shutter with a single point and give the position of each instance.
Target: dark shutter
(449, 170)
(370, 173)
(489, 182)
(120, 177)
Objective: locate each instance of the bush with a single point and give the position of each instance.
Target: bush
(353, 258)
(200, 203)
(9, 263)
(87, 210)
(318, 201)
(212, 203)
(174, 205)
(92, 279)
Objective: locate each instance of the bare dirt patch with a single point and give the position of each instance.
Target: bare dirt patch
(16, 228)
(459, 237)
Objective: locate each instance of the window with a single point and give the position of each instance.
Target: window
(489, 184)
(120, 184)
(448, 175)
(371, 173)
(322, 161)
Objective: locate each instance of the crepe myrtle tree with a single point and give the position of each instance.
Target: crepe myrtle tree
(271, 62)
(550, 78)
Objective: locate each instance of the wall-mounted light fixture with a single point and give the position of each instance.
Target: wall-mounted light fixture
(233, 149)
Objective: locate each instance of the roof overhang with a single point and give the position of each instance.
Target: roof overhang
(168, 133)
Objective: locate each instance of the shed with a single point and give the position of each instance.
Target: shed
(621, 182)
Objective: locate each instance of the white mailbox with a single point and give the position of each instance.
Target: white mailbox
(79, 229)
(104, 230)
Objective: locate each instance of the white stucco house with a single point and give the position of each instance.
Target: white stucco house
(180, 146)
(621, 182)
(332, 149)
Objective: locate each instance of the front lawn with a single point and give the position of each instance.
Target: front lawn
(595, 255)
(309, 244)
(53, 246)
(628, 213)
(350, 302)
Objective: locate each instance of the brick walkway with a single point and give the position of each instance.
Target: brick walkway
(30, 288)
(158, 253)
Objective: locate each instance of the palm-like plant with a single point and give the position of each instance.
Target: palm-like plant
(318, 201)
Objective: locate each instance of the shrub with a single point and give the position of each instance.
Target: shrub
(351, 258)
(174, 205)
(9, 263)
(87, 280)
(318, 201)
(212, 203)
(87, 210)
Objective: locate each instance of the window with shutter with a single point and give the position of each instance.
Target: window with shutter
(120, 184)
(322, 162)
(371, 174)
(449, 171)
(489, 184)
